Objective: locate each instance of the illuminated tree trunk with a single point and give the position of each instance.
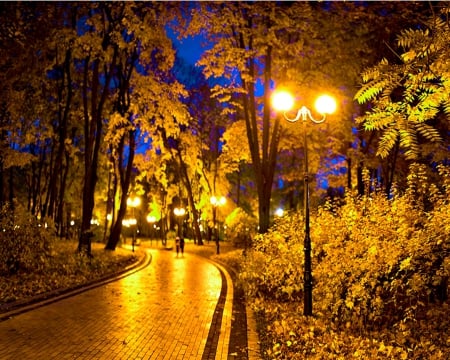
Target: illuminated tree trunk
(122, 105)
(125, 181)
(194, 212)
(263, 155)
(93, 126)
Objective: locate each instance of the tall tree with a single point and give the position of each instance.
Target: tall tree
(61, 74)
(255, 44)
(37, 96)
(146, 100)
(97, 52)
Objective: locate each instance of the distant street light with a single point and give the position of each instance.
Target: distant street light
(151, 220)
(325, 104)
(279, 212)
(215, 202)
(179, 213)
(133, 202)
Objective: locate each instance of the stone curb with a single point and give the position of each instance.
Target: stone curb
(225, 332)
(252, 336)
(253, 348)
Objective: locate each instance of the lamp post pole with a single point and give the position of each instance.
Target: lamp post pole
(284, 101)
(215, 202)
(134, 203)
(133, 242)
(303, 114)
(151, 220)
(307, 301)
(216, 233)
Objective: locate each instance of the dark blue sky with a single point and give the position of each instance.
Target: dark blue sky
(189, 49)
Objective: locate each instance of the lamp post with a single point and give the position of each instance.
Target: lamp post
(151, 220)
(133, 202)
(284, 101)
(279, 212)
(179, 213)
(215, 202)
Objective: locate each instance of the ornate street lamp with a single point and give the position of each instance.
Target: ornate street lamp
(215, 202)
(325, 104)
(133, 202)
(151, 220)
(179, 213)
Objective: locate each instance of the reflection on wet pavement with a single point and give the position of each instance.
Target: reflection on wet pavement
(161, 312)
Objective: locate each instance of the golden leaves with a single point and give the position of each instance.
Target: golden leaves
(410, 95)
(405, 264)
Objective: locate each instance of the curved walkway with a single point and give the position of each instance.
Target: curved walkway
(165, 311)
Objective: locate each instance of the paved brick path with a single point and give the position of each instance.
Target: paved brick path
(164, 311)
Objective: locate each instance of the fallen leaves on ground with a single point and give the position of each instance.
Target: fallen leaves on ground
(66, 268)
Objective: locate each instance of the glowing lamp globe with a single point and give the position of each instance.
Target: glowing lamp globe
(282, 101)
(134, 202)
(325, 104)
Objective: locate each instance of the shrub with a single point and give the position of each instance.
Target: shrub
(24, 243)
(231, 259)
(384, 260)
(380, 270)
(241, 228)
(272, 269)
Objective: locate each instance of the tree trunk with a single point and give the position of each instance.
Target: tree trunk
(391, 170)
(45, 206)
(349, 173)
(359, 175)
(93, 123)
(238, 187)
(116, 229)
(264, 157)
(163, 233)
(122, 105)
(187, 184)
(63, 117)
(125, 177)
(92, 129)
(2, 201)
(61, 202)
(109, 205)
(11, 187)
(37, 175)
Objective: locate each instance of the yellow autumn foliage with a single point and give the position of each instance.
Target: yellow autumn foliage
(380, 271)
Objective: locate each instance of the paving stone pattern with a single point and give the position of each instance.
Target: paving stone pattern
(163, 312)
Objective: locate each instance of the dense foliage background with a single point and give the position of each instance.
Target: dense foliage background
(99, 105)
